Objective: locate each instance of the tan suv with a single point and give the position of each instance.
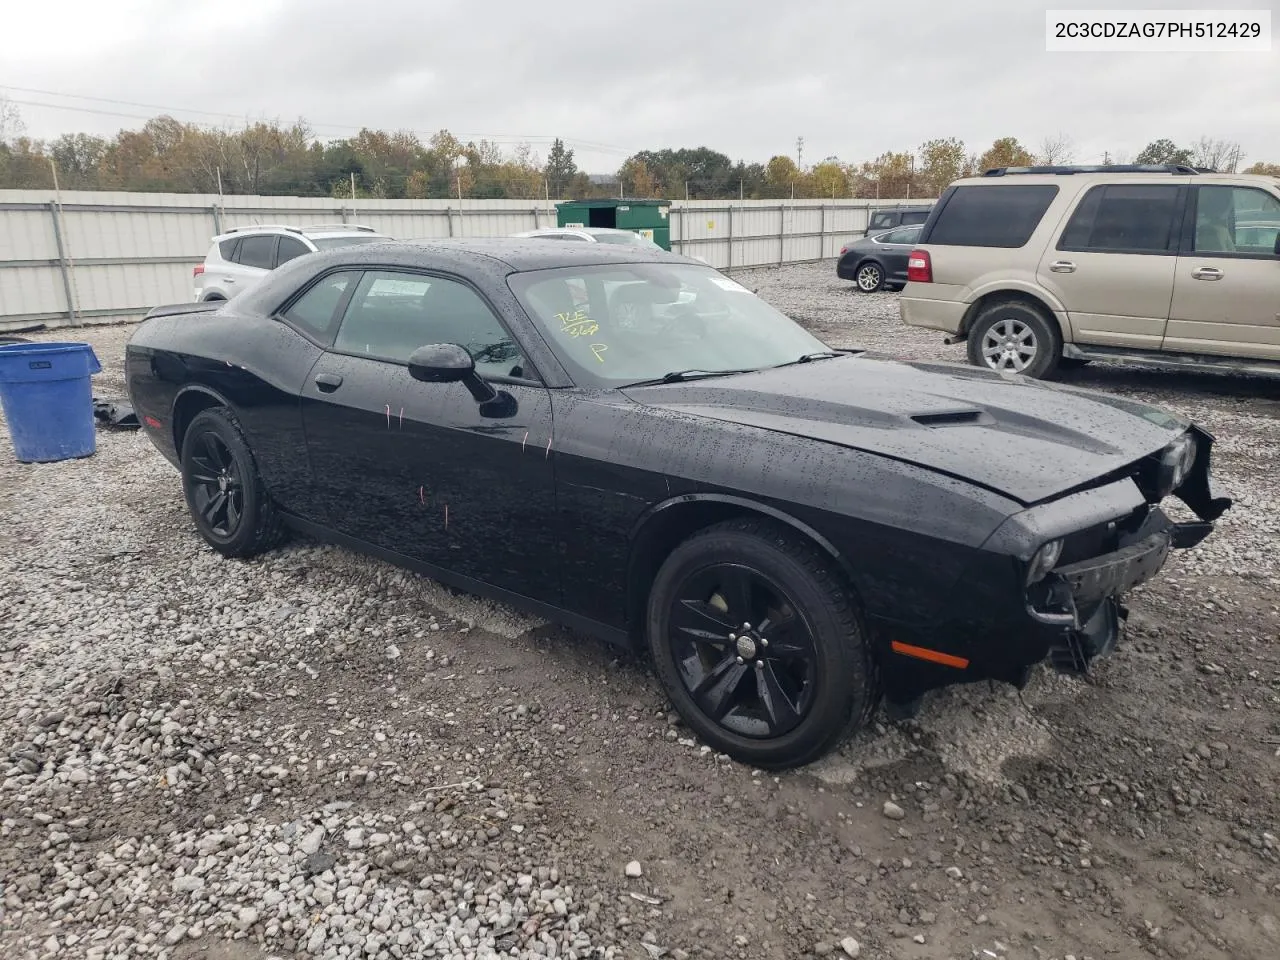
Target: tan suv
(1037, 267)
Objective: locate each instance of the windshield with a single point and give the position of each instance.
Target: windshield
(625, 236)
(332, 243)
(616, 324)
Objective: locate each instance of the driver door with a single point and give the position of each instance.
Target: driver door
(417, 469)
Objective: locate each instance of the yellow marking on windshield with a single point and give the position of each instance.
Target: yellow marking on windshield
(598, 349)
(577, 324)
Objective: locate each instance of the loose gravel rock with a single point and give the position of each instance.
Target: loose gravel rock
(312, 754)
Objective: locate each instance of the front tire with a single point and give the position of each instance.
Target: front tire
(1011, 336)
(224, 491)
(869, 276)
(759, 643)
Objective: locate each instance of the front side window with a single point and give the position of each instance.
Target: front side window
(257, 251)
(626, 238)
(1126, 218)
(392, 314)
(313, 311)
(1004, 215)
(1236, 220)
(616, 324)
(917, 216)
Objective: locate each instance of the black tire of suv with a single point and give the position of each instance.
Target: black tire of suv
(1048, 355)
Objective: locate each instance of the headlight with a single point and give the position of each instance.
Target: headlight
(1176, 463)
(1044, 560)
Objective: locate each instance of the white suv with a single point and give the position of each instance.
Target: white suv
(1043, 267)
(242, 256)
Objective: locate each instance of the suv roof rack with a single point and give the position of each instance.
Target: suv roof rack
(262, 226)
(301, 230)
(338, 226)
(1177, 169)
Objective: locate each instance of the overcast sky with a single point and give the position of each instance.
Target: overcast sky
(745, 77)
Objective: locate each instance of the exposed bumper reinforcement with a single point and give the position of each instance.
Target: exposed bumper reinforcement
(1116, 573)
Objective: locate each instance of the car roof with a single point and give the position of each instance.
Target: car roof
(518, 253)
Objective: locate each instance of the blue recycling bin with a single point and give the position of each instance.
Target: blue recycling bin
(47, 399)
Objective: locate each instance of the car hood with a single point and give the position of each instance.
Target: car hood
(1022, 438)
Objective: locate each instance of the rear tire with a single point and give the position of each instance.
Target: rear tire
(772, 703)
(1011, 336)
(869, 276)
(225, 493)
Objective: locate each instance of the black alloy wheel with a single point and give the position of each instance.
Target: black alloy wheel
(225, 494)
(217, 485)
(758, 640)
(743, 652)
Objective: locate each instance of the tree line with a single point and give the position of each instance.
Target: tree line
(167, 155)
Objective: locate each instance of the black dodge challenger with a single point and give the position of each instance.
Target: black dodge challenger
(634, 445)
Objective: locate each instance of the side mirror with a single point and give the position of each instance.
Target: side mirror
(441, 363)
(450, 363)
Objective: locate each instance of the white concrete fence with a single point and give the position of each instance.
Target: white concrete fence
(86, 257)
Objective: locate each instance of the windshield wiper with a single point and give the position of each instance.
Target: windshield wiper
(682, 376)
(810, 357)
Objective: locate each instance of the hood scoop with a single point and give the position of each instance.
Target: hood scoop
(952, 418)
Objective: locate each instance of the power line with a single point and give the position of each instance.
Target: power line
(590, 145)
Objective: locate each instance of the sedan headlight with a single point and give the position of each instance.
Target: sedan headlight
(1044, 560)
(1175, 464)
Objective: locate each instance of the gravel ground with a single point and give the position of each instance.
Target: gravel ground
(316, 755)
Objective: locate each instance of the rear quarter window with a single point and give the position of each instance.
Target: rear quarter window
(227, 249)
(994, 216)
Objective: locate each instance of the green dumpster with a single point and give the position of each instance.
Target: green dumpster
(649, 218)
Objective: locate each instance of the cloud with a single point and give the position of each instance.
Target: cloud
(744, 77)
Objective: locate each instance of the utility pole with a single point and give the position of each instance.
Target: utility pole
(686, 191)
(353, 184)
(741, 194)
(800, 152)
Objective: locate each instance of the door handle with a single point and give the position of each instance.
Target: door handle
(1207, 273)
(228, 279)
(328, 382)
(1062, 266)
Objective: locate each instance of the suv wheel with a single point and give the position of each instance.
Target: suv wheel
(1013, 337)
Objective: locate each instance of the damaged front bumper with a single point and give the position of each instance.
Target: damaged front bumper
(1083, 598)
